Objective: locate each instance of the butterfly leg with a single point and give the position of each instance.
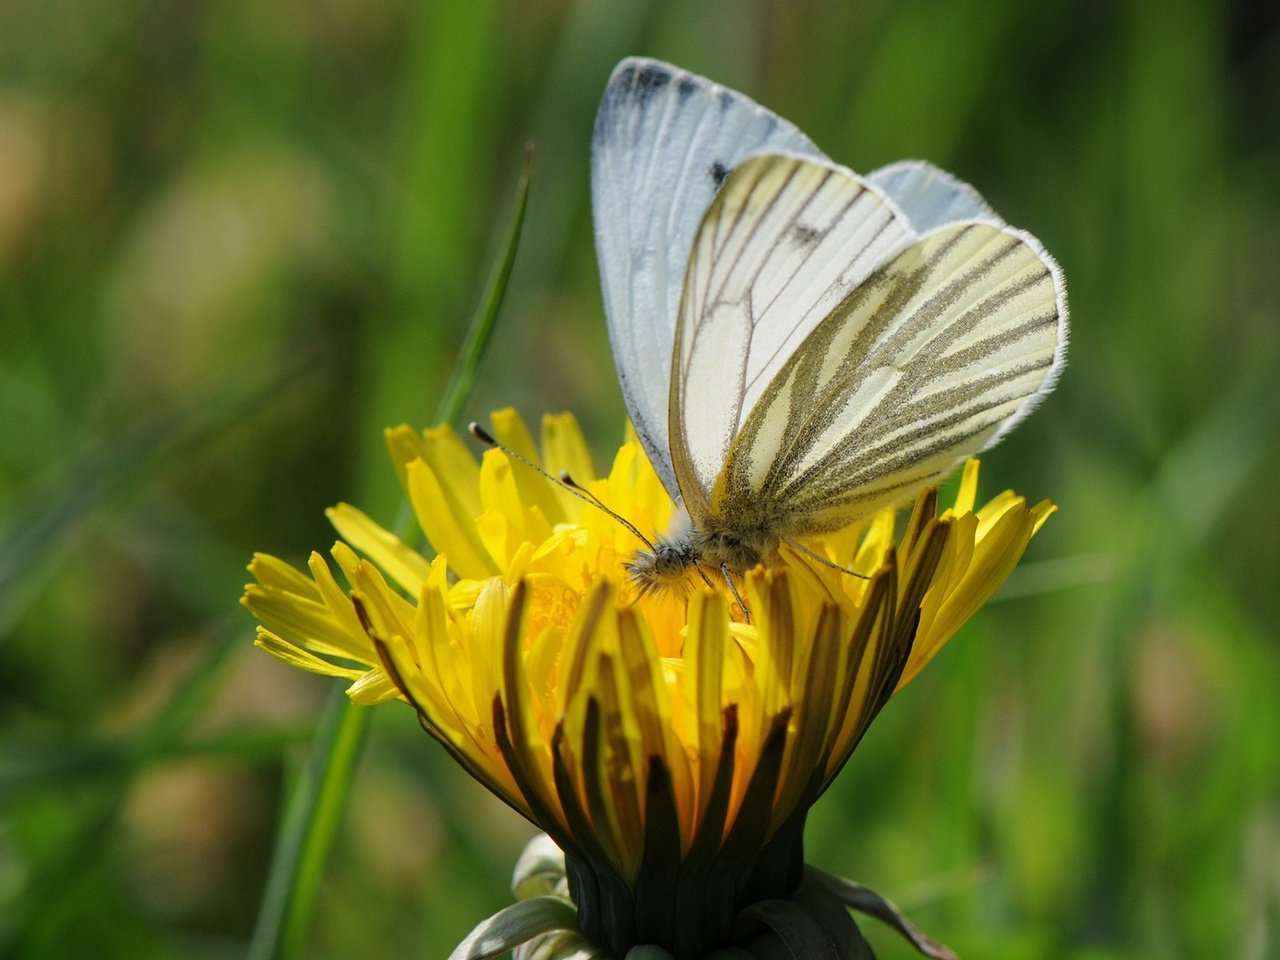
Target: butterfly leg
(733, 588)
(801, 548)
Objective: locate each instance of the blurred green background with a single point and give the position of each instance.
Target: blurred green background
(238, 238)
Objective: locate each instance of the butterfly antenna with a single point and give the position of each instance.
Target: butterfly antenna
(564, 480)
(801, 548)
(573, 486)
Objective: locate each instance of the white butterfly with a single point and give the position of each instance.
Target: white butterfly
(799, 346)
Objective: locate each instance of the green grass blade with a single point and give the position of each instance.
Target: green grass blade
(463, 378)
(316, 802)
(310, 823)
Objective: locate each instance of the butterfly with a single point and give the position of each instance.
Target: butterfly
(799, 346)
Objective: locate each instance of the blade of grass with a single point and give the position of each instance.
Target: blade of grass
(316, 802)
(463, 379)
(310, 823)
(442, 133)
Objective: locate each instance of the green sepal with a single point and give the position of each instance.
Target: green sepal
(648, 951)
(565, 945)
(540, 871)
(857, 897)
(797, 929)
(810, 924)
(517, 924)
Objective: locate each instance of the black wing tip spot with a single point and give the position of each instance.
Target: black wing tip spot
(718, 173)
(686, 87)
(635, 82)
(646, 79)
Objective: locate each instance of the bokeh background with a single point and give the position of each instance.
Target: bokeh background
(238, 238)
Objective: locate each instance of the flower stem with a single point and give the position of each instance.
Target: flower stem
(310, 824)
(317, 800)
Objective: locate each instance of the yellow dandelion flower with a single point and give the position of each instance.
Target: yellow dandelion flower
(669, 748)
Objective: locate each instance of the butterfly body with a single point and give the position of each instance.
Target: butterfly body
(713, 551)
(800, 346)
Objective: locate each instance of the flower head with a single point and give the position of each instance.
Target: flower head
(668, 746)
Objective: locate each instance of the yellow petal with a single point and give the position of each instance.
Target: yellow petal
(273, 572)
(405, 446)
(295, 656)
(454, 465)
(402, 563)
(534, 489)
(447, 526)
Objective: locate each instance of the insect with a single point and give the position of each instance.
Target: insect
(799, 346)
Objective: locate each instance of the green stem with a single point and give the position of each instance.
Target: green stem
(317, 800)
(310, 824)
(463, 379)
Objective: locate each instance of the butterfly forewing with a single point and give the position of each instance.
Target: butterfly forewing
(783, 245)
(927, 361)
(664, 141)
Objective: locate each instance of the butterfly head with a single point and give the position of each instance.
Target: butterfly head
(665, 568)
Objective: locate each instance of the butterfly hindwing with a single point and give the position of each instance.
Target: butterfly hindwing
(931, 359)
(783, 244)
(931, 197)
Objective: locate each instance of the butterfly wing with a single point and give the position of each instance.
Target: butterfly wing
(785, 242)
(931, 197)
(931, 357)
(664, 141)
